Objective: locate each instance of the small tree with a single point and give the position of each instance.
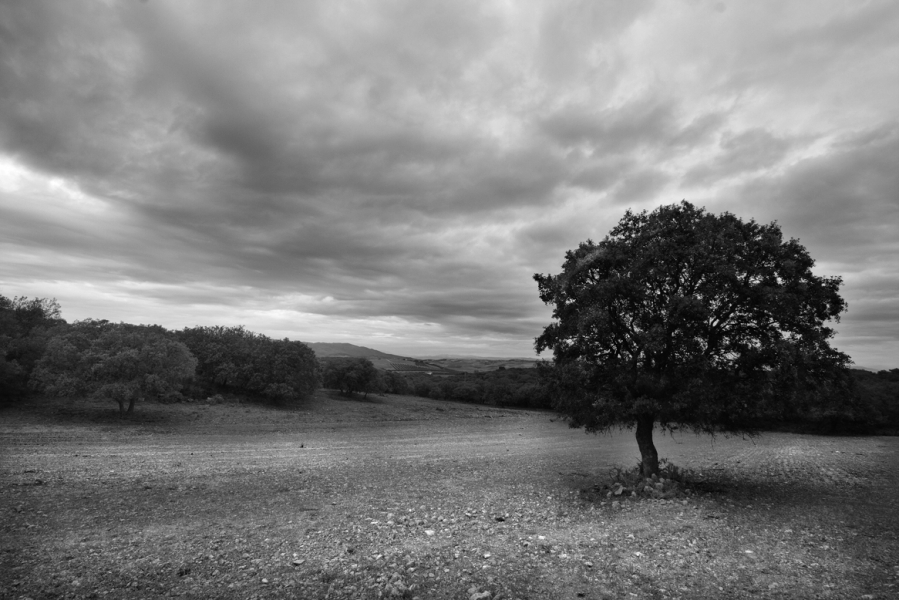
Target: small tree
(682, 317)
(117, 362)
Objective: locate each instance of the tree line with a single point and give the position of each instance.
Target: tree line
(523, 388)
(869, 403)
(121, 362)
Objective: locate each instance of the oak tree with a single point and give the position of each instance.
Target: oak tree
(118, 362)
(350, 375)
(26, 324)
(235, 360)
(684, 318)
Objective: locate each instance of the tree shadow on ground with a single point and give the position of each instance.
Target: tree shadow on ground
(866, 504)
(863, 504)
(72, 411)
(370, 398)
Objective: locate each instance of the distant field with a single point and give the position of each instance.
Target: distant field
(451, 365)
(476, 365)
(405, 497)
(405, 364)
(412, 366)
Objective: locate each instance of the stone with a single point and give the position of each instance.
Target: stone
(480, 596)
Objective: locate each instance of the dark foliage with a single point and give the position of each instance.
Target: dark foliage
(351, 376)
(684, 318)
(234, 360)
(878, 402)
(523, 388)
(25, 328)
(394, 383)
(119, 362)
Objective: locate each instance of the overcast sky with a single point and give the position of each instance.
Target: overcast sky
(392, 174)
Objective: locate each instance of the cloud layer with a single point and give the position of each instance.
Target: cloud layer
(392, 173)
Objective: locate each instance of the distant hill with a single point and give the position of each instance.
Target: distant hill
(328, 350)
(406, 364)
(476, 357)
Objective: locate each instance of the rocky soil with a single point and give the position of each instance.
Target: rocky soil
(409, 498)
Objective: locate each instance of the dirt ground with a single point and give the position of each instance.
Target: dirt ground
(401, 497)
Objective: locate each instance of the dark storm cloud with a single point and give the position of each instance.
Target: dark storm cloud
(399, 170)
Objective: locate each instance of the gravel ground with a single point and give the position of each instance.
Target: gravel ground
(405, 497)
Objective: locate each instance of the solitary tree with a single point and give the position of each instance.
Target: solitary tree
(680, 317)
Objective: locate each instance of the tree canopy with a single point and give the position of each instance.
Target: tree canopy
(25, 327)
(119, 362)
(680, 317)
(235, 359)
(351, 375)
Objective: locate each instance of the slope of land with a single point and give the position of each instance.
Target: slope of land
(340, 350)
(393, 362)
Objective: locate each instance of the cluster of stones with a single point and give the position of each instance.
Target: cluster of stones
(393, 586)
(648, 487)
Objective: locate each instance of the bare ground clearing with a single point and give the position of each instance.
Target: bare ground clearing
(407, 497)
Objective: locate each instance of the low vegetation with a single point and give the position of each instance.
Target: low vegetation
(523, 388)
(878, 401)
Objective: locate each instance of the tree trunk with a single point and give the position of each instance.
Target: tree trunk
(121, 407)
(131, 405)
(649, 457)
